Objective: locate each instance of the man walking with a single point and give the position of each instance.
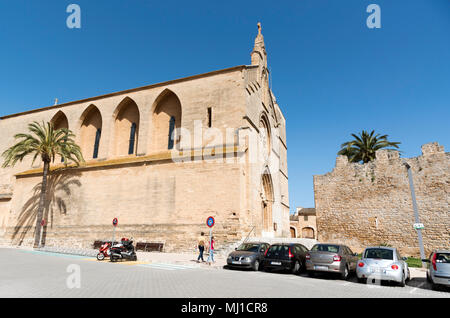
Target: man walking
(201, 247)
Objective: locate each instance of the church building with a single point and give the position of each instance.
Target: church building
(161, 159)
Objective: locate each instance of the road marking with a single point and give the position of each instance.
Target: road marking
(165, 266)
(59, 254)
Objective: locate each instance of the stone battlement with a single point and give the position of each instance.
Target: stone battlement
(370, 204)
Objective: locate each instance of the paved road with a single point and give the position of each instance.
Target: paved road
(40, 274)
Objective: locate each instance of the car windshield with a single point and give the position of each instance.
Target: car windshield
(379, 253)
(325, 248)
(443, 258)
(249, 247)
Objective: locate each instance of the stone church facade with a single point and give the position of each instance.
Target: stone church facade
(160, 158)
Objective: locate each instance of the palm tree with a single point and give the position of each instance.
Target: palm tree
(46, 142)
(364, 146)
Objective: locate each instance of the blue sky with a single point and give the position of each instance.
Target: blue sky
(331, 74)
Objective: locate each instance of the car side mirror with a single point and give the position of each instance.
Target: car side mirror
(404, 258)
(355, 254)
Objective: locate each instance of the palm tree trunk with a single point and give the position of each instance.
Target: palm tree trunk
(40, 213)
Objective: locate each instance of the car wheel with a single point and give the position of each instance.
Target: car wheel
(403, 282)
(344, 275)
(256, 265)
(435, 287)
(409, 276)
(428, 277)
(311, 274)
(362, 280)
(296, 268)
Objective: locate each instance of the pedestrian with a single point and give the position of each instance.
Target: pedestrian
(211, 251)
(201, 247)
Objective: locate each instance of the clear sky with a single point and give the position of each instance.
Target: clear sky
(332, 75)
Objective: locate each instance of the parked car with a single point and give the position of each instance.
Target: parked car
(248, 255)
(438, 272)
(383, 263)
(288, 256)
(331, 258)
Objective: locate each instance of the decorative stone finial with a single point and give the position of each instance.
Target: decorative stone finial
(259, 55)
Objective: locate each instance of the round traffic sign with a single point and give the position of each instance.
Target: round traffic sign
(210, 221)
(115, 221)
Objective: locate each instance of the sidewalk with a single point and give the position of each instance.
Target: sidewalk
(189, 259)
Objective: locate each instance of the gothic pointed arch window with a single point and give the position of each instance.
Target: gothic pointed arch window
(265, 134)
(60, 121)
(126, 128)
(166, 118)
(90, 132)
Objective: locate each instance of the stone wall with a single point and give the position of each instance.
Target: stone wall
(370, 204)
(165, 202)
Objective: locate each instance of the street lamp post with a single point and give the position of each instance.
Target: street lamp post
(416, 211)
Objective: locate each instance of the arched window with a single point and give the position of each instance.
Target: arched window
(126, 128)
(90, 132)
(166, 118)
(308, 232)
(265, 134)
(60, 121)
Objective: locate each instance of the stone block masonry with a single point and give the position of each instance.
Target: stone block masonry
(365, 205)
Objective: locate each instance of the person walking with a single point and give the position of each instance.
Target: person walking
(201, 247)
(211, 251)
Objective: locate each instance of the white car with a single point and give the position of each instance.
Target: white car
(438, 271)
(382, 264)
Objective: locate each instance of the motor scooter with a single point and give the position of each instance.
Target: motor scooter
(123, 250)
(104, 251)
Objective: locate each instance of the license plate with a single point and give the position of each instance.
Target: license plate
(275, 263)
(378, 270)
(321, 268)
(236, 262)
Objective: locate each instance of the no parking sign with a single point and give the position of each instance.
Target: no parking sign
(210, 222)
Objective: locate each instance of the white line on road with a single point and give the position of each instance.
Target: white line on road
(171, 267)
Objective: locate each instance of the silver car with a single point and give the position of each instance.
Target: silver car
(331, 258)
(248, 255)
(383, 264)
(439, 268)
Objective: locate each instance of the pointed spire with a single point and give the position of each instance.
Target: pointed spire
(259, 41)
(259, 55)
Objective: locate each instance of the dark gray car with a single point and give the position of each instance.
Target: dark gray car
(331, 258)
(248, 255)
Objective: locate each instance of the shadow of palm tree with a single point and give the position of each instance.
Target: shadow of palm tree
(54, 203)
